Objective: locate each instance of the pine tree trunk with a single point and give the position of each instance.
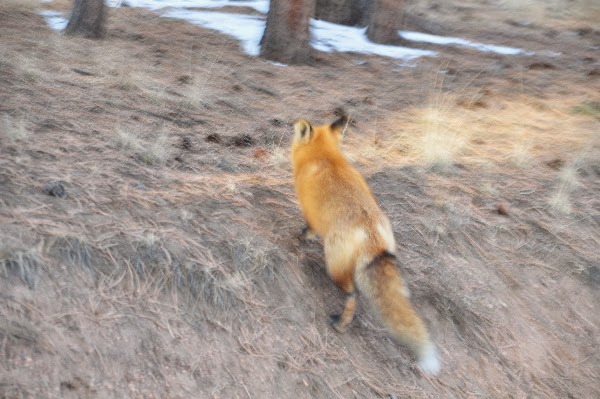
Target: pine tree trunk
(287, 36)
(386, 20)
(87, 19)
(344, 12)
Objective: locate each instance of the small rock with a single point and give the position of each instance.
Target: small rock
(186, 143)
(242, 140)
(184, 79)
(556, 163)
(82, 72)
(502, 208)
(56, 188)
(277, 122)
(214, 138)
(260, 153)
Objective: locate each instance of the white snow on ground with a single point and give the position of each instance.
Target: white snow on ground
(259, 5)
(55, 20)
(328, 37)
(444, 40)
(248, 29)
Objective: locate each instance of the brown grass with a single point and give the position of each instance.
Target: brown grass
(173, 270)
(16, 6)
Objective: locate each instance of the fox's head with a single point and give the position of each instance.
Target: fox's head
(305, 133)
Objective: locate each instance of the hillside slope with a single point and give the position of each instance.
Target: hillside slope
(149, 234)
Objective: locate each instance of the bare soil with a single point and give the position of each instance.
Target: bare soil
(149, 233)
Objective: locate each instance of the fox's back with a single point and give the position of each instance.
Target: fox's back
(334, 197)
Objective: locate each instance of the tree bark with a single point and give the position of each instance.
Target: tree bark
(287, 36)
(87, 19)
(386, 20)
(344, 12)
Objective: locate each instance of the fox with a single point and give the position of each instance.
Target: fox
(360, 250)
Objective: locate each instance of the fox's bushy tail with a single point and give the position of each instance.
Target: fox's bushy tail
(382, 284)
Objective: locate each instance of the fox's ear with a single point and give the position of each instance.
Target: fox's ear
(302, 131)
(340, 125)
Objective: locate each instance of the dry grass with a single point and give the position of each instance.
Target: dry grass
(8, 6)
(151, 149)
(203, 251)
(518, 131)
(15, 129)
(443, 138)
(538, 11)
(567, 183)
(24, 263)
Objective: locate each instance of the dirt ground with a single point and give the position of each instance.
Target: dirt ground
(149, 233)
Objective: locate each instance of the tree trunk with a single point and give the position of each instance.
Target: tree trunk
(87, 19)
(386, 20)
(287, 36)
(344, 12)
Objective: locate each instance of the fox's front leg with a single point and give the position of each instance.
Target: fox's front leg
(308, 233)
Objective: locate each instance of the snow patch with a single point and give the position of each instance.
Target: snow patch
(445, 40)
(328, 37)
(261, 6)
(248, 29)
(55, 20)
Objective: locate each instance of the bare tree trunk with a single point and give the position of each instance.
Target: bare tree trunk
(87, 19)
(386, 19)
(344, 12)
(287, 36)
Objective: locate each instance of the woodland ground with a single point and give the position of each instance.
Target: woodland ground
(172, 265)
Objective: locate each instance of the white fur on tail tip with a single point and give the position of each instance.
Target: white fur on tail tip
(429, 362)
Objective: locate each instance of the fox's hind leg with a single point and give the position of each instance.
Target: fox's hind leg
(340, 255)
(344, 278)
(340, 322)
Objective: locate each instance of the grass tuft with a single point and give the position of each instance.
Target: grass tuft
(151, 151)
(442, 141)
(24, 264)
(211, 284)
(560, 201)
(15, 129)
(250, 256)
(590, 108)
(76, 252)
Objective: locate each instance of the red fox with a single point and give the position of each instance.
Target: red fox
(359, 244)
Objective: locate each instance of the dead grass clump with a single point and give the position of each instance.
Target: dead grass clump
(18, 331)
(27, 69)
(521, 154)
(589, 108)
(210, 283)
(151, 150)
(15, 129)
(22, 263)
(76, 252)
(432, 135)
(560, 201)
(190, 270)
(443, 139)
(196, 93)
(250, 256)
(518, 130)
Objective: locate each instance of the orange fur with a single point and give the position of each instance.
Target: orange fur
(359, 245)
